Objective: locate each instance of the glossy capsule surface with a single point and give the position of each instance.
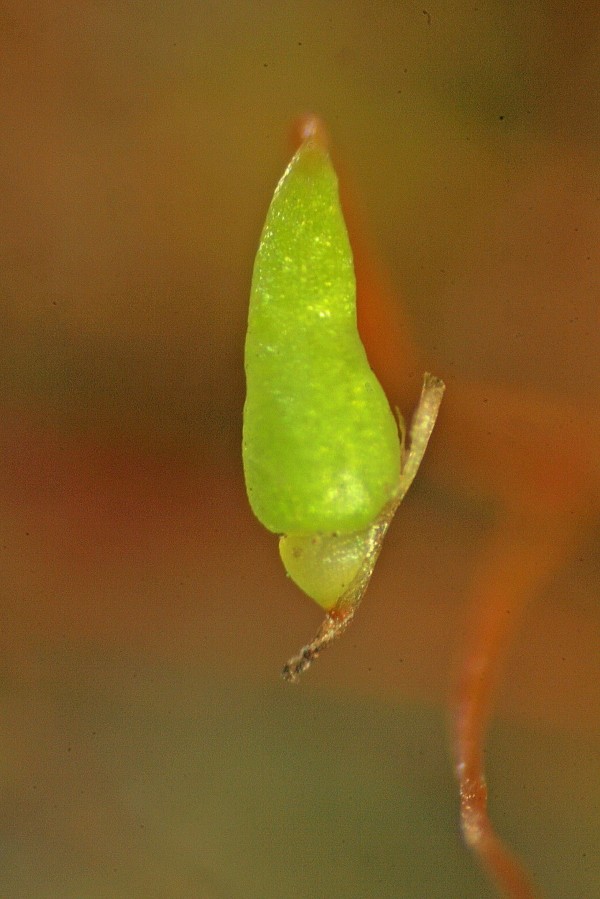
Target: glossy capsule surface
(321, 449)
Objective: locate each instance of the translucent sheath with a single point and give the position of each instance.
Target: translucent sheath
(321, 449)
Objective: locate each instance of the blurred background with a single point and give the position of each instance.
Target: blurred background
(147, 746)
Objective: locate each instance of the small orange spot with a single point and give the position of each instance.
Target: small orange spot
(309, 127)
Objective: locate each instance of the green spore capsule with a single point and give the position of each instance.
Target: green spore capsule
(321, 449)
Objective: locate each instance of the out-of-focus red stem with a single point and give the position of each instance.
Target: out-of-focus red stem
(517, 563)
(492, 627)
(506, 444)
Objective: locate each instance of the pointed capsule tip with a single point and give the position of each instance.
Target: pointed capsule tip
(309, 127)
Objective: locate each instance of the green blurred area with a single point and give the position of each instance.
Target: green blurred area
(146, 784)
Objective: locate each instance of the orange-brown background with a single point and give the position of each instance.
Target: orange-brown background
(147, 747)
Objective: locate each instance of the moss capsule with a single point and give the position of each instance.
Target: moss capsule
(321, 450)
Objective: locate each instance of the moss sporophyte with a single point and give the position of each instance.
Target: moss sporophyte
(326, 463)
(325, 460)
